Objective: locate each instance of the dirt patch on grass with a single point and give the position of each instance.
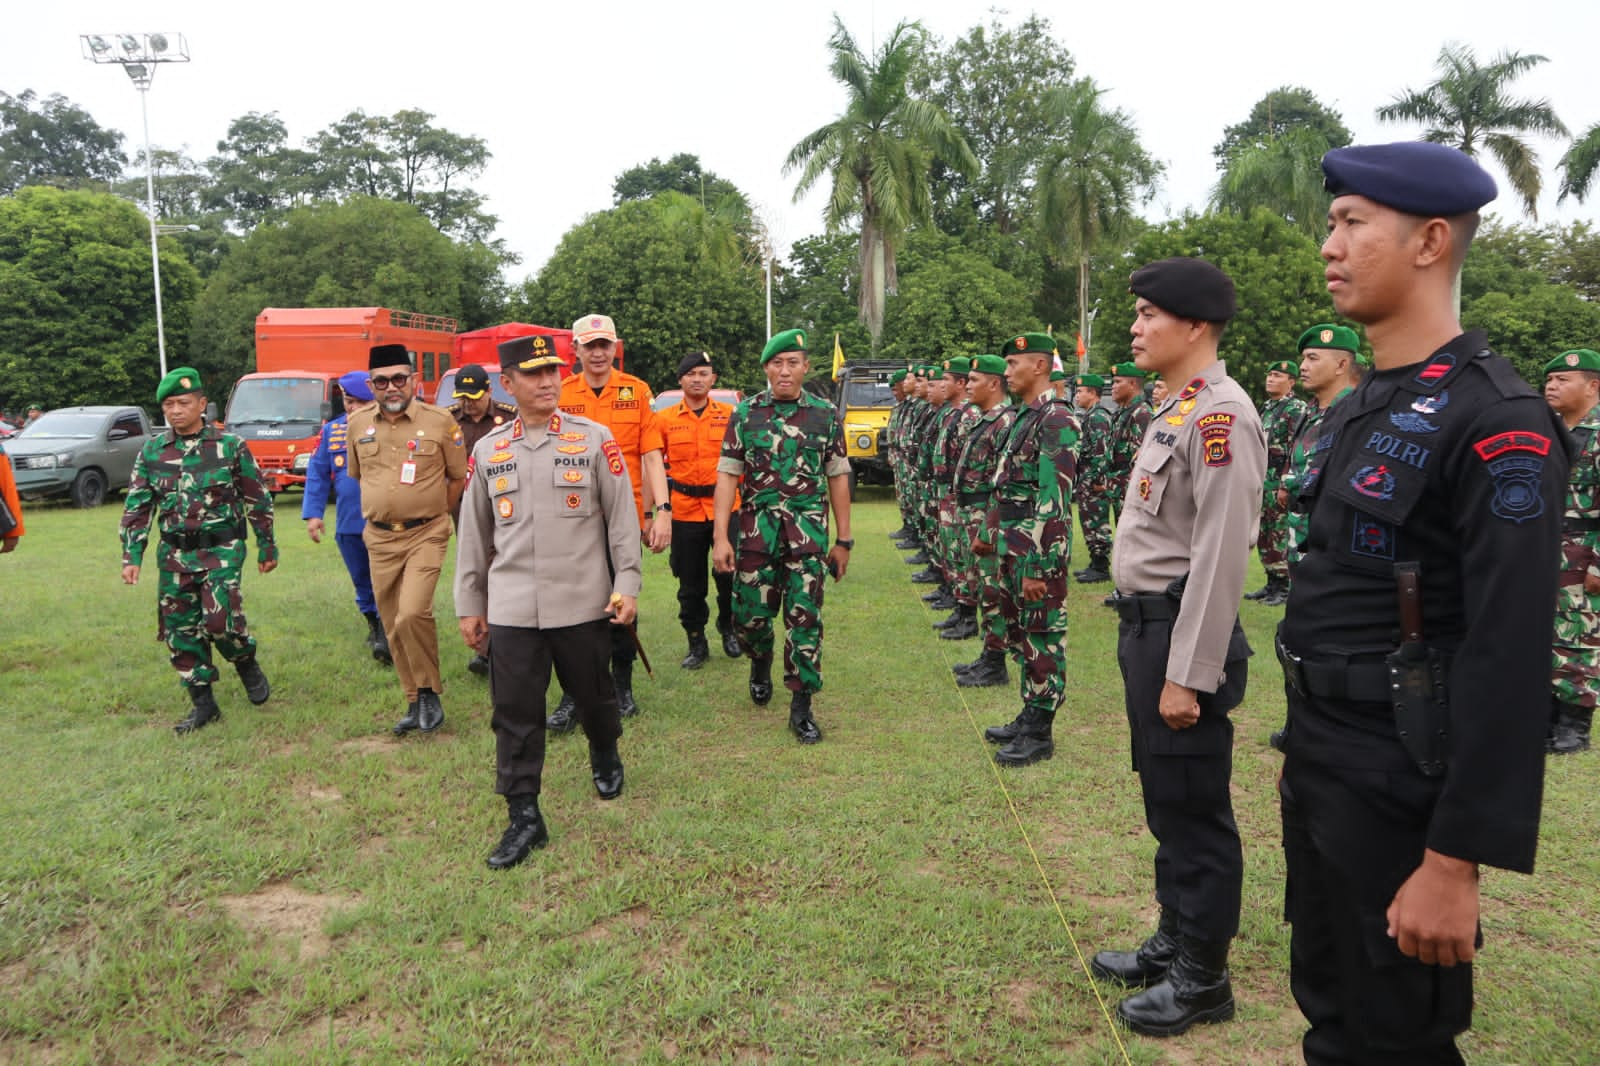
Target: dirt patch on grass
(1014, 995)
(318, 793)
(367, 745)
(282, 912)
(631, 920)
(373, 846)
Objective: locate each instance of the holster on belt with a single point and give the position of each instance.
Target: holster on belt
(1417, 681)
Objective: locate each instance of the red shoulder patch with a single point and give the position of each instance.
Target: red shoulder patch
(1515, 440)
(613, 454)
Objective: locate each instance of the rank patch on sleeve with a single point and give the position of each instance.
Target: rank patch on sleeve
(1214, 439)
(613, 454)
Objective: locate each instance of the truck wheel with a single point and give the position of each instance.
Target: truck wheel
(89, 490)
(852, 486)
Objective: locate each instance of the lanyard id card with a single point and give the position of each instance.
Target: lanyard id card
(408, 473)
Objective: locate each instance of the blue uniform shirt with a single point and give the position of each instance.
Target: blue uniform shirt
(330, 471)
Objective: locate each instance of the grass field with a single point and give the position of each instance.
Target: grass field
(294, 885)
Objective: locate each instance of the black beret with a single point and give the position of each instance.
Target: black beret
(1188, 288)
(382, 355)
(693, 361)
(1417, 177)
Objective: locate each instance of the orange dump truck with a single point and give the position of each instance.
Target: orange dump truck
(301, 352)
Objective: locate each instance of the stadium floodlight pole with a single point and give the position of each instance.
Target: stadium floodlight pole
(138, 54)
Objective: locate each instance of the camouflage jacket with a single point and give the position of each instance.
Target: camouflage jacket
(954, 428)
(1094, 455)
(1128, 428)
(1298, 477)
(1030, 516)
(1581, 520)
(1281, 420)
(200, 490)
(784, 452)
(979, 462)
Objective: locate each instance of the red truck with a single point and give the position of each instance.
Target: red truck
(481, 346)
(301, 352)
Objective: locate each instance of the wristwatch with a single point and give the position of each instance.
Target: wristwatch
(847, 545)
(667, 507)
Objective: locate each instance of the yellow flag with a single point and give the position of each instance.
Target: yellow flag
(838, 358)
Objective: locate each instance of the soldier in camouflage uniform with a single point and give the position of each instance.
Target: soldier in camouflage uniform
(925, 435)
(1128, 425)
(199, 486)
(1572, 388)
(973, 481)
(1029, 526)
(785, 453)
(1330, 368)
(955, 427)
(889, 443)
(1280, 418)
(1094, 478)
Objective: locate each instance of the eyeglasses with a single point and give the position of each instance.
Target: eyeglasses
(395, 382)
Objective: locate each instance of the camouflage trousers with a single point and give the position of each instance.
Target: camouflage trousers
(1096, 516)
(764, 585)
(967, 579)
(1273, 539)
(1575, 654)
(1036, 636)
(197, 610)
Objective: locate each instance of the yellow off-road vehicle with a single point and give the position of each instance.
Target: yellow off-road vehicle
(864, 400)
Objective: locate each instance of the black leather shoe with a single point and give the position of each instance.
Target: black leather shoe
(622, 680)
(801, 723)
(526, 830)
(988, 672)
(699, 652)
(919, 559)
(1196, 991)
(255, 682)
(478, 664)
(430, 712)
(409, 722)
(378, 641)
(1145, 965)
(606, 766)
(730, 645)
(926, 577)
(1276, 739)
(761, 681)
(1031, 744)
(202, 712)
(564, 719)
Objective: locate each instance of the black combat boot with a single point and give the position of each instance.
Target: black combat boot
(255, 682)
(606, 766)
(564, 719)
(1032, 742)
(1571, 733)
(966, 628)
(1146, 964)
(526, 830)
(730, 643)
(989, 671)
(944, 601)
(919, 559)
(1277, 592)
(430, 711)
(761, 680)
(1196, 989)
(801, 723)
(699, 652)
(409, 722)
(951, 619)
(901, 533)
(203, 712)
(622, 679)
(926, 577)
(1098, 571)
(1260, 593)
(1003, 734)
(377, 640)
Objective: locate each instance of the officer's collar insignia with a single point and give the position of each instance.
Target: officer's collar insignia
(555, 422)
(1429, 405)
(516, 428)
(1436, 368)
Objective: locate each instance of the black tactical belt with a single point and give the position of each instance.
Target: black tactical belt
(400, 527)
(969, 499)
(1335, 679)
(1580, 525)
(1137, 608)
(702, 492)
(195, 540)
(1014, 510)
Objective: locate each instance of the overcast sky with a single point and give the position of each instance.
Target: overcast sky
(567, 95)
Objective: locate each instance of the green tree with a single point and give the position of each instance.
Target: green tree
(255, 175)
(1532, 328)
(1284, 110)
(656, 271)
(54, 142)
(77, 310)
(682, 173)
(817, 290)
(1091, 179)
(877, 155)
(1283, 174)
(1579, 164)
(1469, 107)
(952, 301)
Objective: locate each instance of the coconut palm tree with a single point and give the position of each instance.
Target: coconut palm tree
(1470, 108)
(1578, 166)
(1090, 179)
(877, 155)
(1283, 174)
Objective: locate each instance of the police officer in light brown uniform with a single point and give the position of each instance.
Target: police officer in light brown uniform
(544, 501)
(409, 459)
(1182, 544)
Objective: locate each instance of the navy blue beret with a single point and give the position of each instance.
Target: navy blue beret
(1417, 177)
(1188, 288)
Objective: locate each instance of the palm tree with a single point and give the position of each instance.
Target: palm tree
(1578, 166)
(1468, 107)
(878, 153)
(1282, 174)
(1090, 179)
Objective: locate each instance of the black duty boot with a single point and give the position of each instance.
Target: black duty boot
(430, 711)
(919, 559)
(1098, 570)
(606, 766)
(1196, 989)
(255, 682)
(951, 619)
(203, 712)
(526, 830)
(1032, 742)
(409, 722)
(730, 644)
(1003, 734)
(479, 665)
(1571, 732)
(989, 671)
(1277, 592)
(944, 602)
(901, 533)
(926, 577)
(699, 652)
(1146, 964)
(377, 641)
(801, 723)
(1260, 593)
(622, 678)
(564, 719)
(761, 680)
(966, 628)
(930, 598)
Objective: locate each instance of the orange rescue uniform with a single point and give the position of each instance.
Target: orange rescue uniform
(623, 407)
(693, 446)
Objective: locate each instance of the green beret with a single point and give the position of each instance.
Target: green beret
(1127, 370)
(897, 377)
(958, 367)
(932, 373)
(1576, 359)
(989, 364)
(1328, 335)
(790, 340)
(1285, 366)
(1090, 381)
(179, 381)
(1029, 344)
(1057, 375)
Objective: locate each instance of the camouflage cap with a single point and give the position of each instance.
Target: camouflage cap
(1575, 359)
(989, 364)
(179, 381)
(1029, 344)
(790, 340)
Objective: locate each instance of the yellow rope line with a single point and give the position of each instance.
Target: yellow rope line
(1016, 815)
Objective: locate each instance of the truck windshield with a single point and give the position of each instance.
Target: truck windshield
(276, 400)
(867, 392)
(75, 424)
